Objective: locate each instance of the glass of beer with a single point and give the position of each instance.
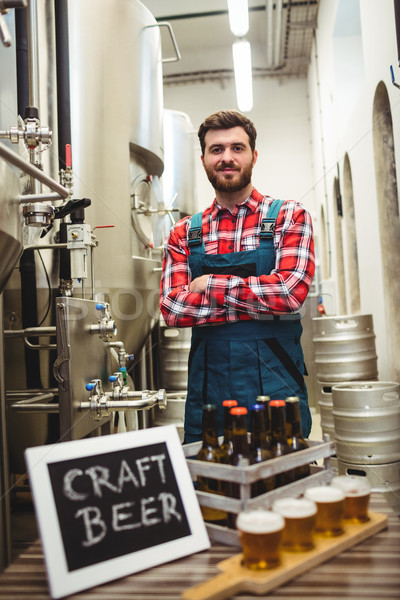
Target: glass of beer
(330, 509)
(300, 518)
(260, 534)
(357, 492)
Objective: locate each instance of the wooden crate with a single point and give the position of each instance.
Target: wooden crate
(245, 476)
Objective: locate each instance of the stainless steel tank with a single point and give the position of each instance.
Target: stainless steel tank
(117, 152)
(11, 222)
(179, 189)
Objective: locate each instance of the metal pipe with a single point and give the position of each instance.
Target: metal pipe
(33, 55)
(36, 398)
(278, 33)
(31, 331)
(26, 166)
(28, 198)
(5, 513)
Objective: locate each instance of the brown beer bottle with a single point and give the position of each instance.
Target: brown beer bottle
(279, 443)
(259, 448)
(265, 401)
(241, 455)
(295, 434)
(227, 445)
(210, 452)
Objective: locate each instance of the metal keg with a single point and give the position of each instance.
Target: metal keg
(173, 356)
(345, 348)
(366, 417)
(325, 409)
(382, 478)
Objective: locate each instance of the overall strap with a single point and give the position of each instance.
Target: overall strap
(268, 223)
(195, 234)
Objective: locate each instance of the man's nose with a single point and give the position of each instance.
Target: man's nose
(227, 156)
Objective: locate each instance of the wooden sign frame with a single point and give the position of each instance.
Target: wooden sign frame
(114, 505)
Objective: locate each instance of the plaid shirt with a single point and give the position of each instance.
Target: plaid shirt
(230, 298)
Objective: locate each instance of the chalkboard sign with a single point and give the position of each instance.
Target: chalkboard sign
(114, 505)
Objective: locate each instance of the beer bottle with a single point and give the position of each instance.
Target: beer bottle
(210, 452)
(259, 448)
(227, 445)
(241, 455)
(265, 401)
(279, 443)
(295, 434)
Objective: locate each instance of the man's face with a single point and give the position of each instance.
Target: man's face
(228, 159)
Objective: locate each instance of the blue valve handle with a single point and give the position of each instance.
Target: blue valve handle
(90, 386)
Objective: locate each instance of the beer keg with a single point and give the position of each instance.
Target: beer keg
(325, 409)
(344, 348)
(174, 349)
(366, 417)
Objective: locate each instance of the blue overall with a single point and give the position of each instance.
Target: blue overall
(244, 359)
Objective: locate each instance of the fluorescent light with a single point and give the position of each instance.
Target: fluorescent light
(243, 78)
(238, 17)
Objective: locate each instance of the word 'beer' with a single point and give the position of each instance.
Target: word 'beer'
(260, 533)
(330, 509)
(357, 491)
(300, 518)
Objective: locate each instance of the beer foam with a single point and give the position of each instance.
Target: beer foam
(324, 493)
(352, 485)
(259, 521)
(295, 507)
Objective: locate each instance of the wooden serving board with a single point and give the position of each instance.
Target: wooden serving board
(235, 578)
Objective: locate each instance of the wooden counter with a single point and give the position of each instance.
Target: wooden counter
(367, 571)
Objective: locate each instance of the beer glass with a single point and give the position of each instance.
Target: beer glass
(330, 509)
(260, 534)
(357, 492)
(300, 517)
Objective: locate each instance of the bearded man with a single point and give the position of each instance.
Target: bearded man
(238, 274)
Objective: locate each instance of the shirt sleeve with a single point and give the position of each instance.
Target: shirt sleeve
(286, 287)
(179, 307)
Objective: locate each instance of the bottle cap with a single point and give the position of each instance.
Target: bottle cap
(277, 403)
(209, 407)
(292, 399)
(229, 403)
(239, 410)
(257, 407)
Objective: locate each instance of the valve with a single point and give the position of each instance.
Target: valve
(106, 325)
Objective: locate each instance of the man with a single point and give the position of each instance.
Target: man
(238, 273)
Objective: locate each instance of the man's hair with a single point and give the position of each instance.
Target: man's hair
(226, 119)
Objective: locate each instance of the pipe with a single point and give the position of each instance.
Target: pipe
(278, 33)
(27, 269)
(14, 159)
(21, 37)
(5, 512)
(63, 83)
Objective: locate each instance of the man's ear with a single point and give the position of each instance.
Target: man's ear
(202, 160)
(255, 156)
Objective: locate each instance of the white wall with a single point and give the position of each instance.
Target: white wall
(281, 117)
(341, 121)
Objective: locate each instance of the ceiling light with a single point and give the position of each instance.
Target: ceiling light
(243, 76)
(238, 17)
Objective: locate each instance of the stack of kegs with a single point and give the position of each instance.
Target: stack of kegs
(367, 431)
(344, 351)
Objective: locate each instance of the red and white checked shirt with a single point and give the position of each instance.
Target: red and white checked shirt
(231, 298)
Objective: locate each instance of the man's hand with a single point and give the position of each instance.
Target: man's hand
(199, 284)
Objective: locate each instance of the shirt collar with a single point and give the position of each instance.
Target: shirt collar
(251, 203)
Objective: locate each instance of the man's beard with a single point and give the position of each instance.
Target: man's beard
(230, 185)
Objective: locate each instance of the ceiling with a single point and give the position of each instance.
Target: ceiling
(280, 34)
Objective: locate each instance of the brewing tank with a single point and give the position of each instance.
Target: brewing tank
(117, 153)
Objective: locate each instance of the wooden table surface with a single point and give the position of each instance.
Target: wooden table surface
(368, 571)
